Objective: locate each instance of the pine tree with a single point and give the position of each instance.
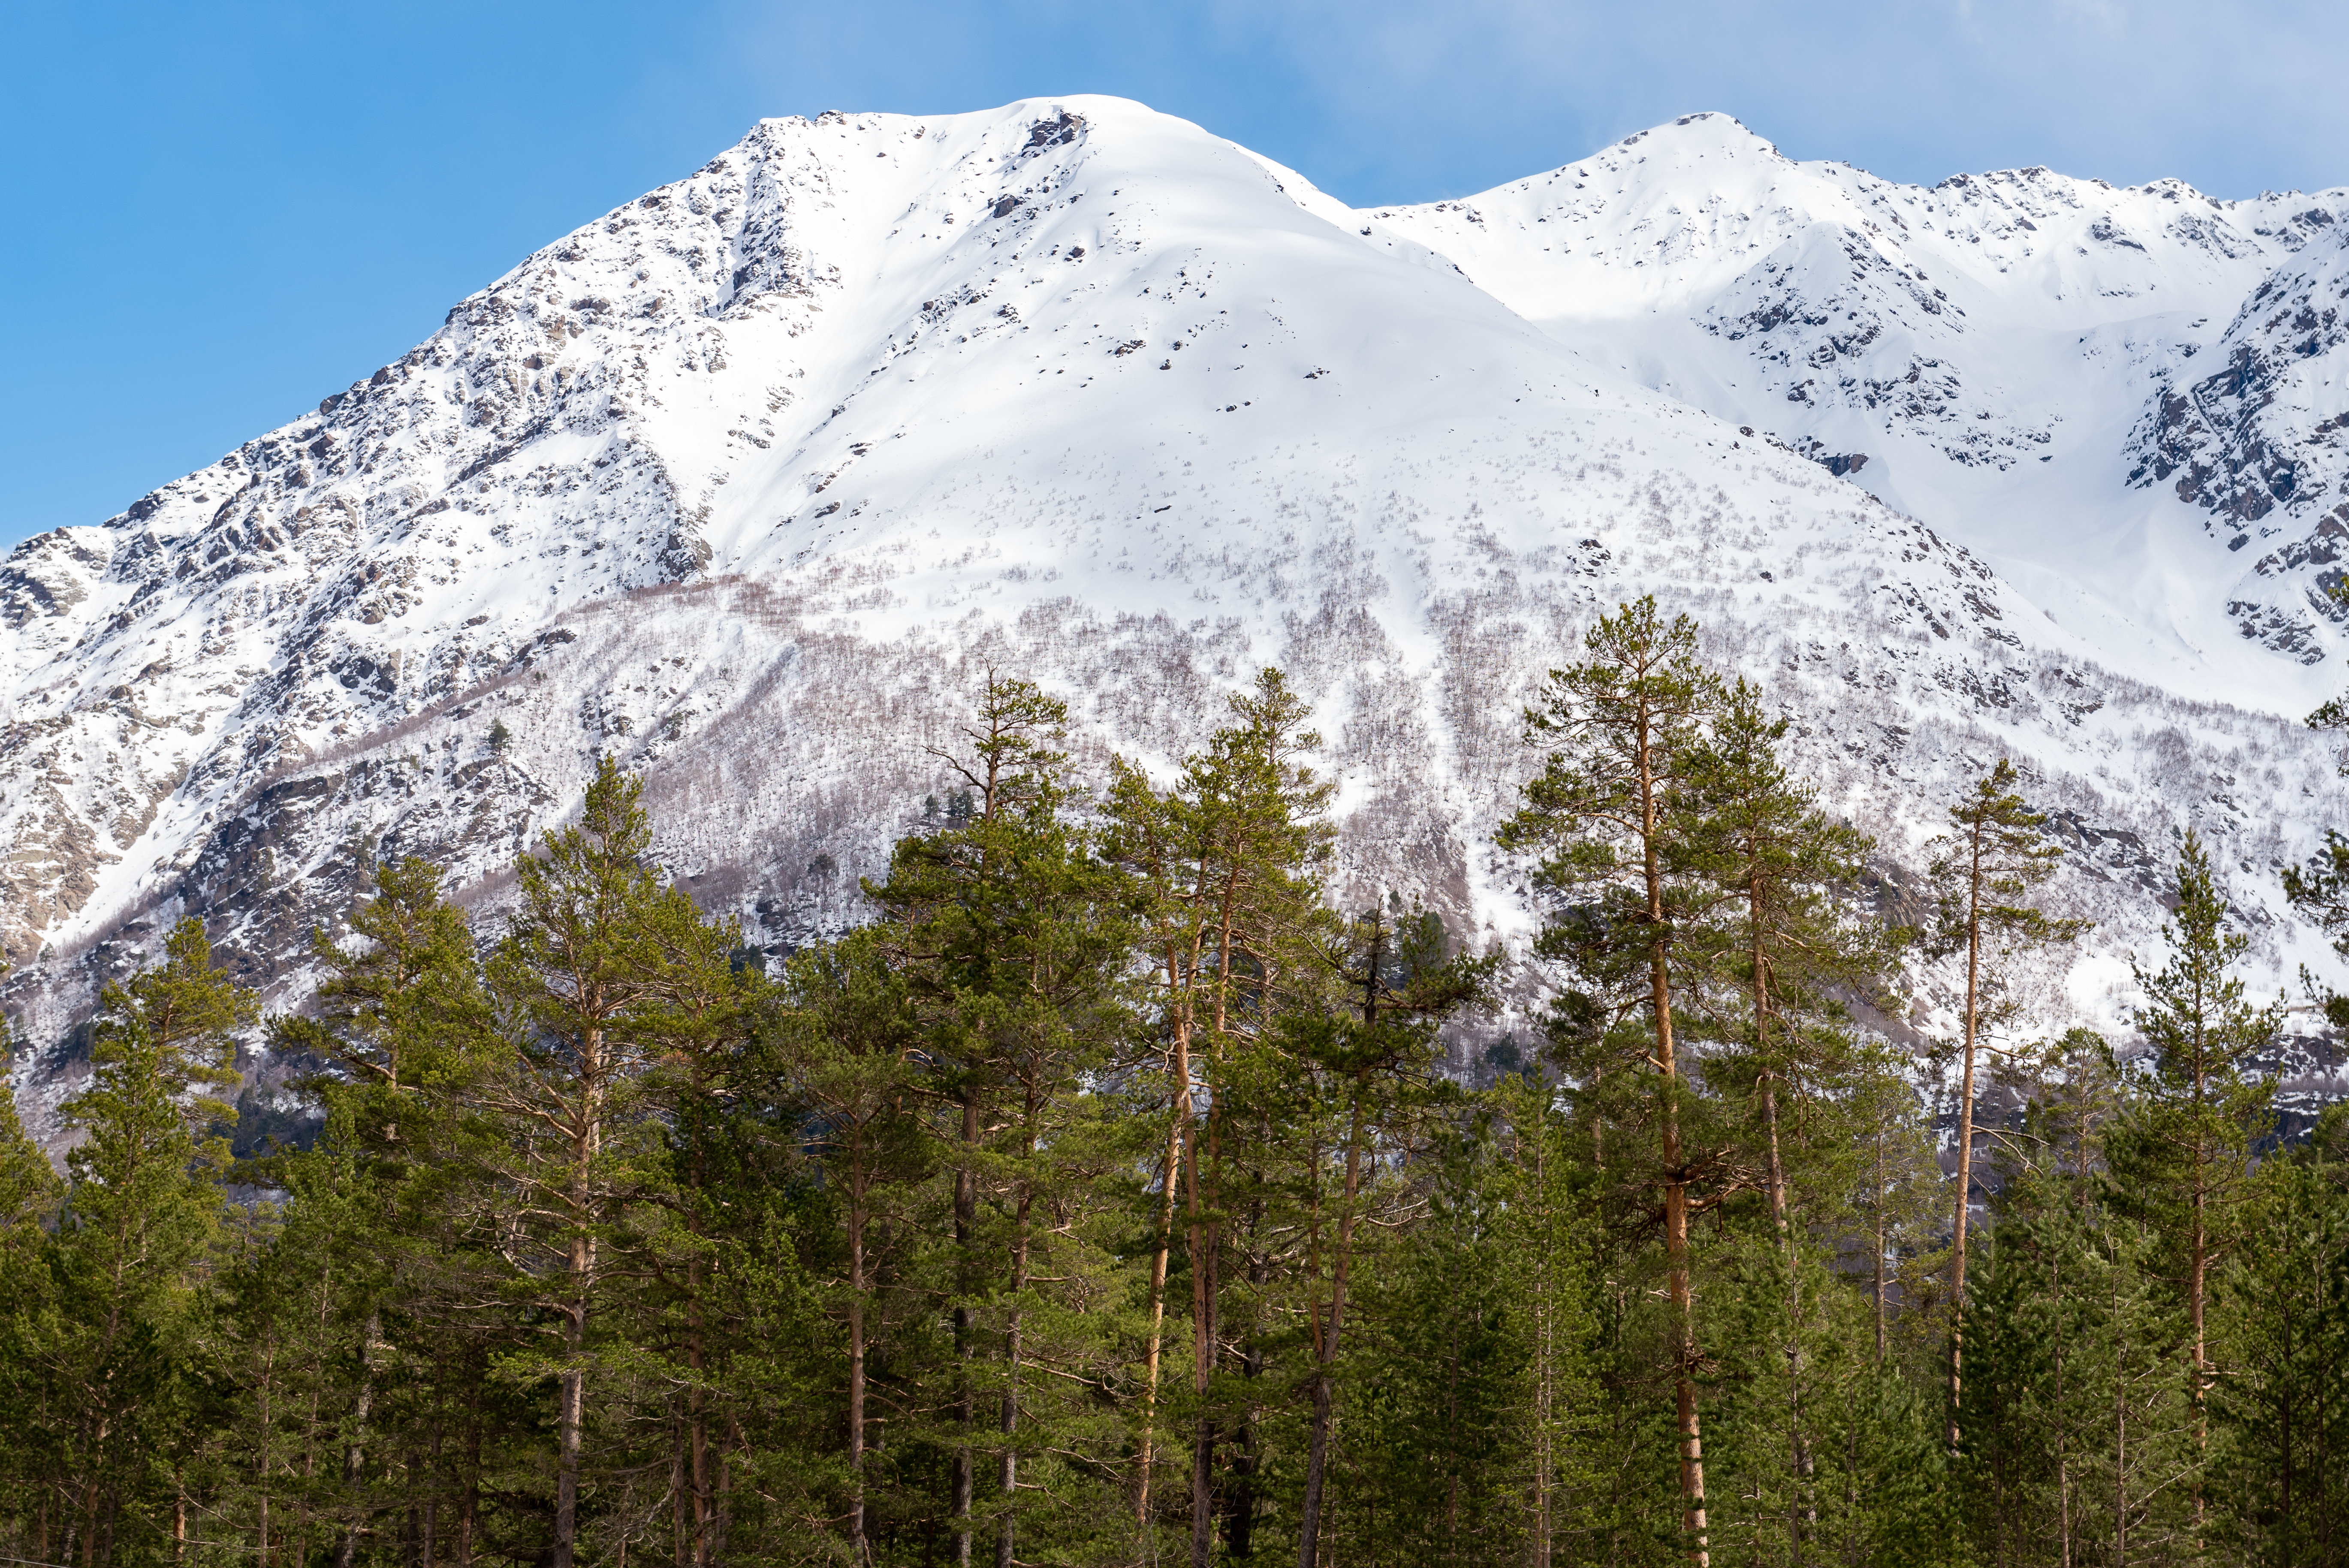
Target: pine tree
(1796, 940)
(1373, 1054)
(1612, 809)
(30, 1196)
(1425, 1470)
(1898, 1505)
(1012, 931)
(2073, 1094)
(1543, 1270)
(1222, 866)
(1461, 1443)
(2321, 889)
(1897, 1190)
(1986, 871)
(2281, 1452)
(402, 1024)
(2147, 1442)
(1264, 1161)
(133, 1251)
(2183, 1155)
(851, 1039)
(2042, 1377)
(608, 1248)
(2079, 1424)
(710, 1000)
(1793, 944)
(284, 1347)
(777, 1372)
(2038, 1399)
(29, 1188)
(580, 978)
(402, 1013)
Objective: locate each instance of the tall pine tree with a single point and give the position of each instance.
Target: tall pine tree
(1612, 814)
(133, 1249)
(580, 980)
(2183, 1155)
(1986, 871)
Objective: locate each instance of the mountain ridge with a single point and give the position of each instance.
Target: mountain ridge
(745, 480)
(1967, 351)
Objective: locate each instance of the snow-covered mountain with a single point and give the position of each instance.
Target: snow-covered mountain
(2086, 385)
(750, 478)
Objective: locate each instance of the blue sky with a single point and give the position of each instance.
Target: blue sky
(213, 215)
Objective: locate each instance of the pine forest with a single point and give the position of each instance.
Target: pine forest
(1110, 1195)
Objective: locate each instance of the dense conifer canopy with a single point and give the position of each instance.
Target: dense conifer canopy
(1132, 1186)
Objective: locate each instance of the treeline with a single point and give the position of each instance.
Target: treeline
(1100, 1202)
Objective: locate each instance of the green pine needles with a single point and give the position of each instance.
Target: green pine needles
(1139, 1183)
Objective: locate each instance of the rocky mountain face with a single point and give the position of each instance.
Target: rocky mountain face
(750, 480)
(2259, 437)
(2035, 364)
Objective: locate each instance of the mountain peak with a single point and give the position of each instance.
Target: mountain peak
(1705, 131)
(743, 482)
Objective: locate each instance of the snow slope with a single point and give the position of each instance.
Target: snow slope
(2021, 358)
(751, 479)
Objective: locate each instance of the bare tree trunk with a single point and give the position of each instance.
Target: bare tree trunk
(1317, 1324)
(468, 1501)
(571, 1408)
(1676, 1259)
(719, 1516)
(2064, 1507)
(1316, 1464)
(1157, 1328)
(433, 1500)
(1760, 962)
(1240, 1520)
(697, 1432)
(1798, 1458)
(355, 1454)
(1203, 1371)
(1317, 1460)
(680, 1533)
(1545, 1375)
(1203, 1493)
(261, 1464)
(2120, 1432)
(1325, 1346)
(1878, 1218)
(2199, 1266)
(1009, 1475)
(1965, 1141)
(1207, 1252)
(2063, 1432)
(89, 1499)
(1178, 1143)
(856, 1286)
(1675, 1172)
(966, 1220)
(310, 1428)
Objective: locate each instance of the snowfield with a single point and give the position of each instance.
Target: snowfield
(750, 479)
